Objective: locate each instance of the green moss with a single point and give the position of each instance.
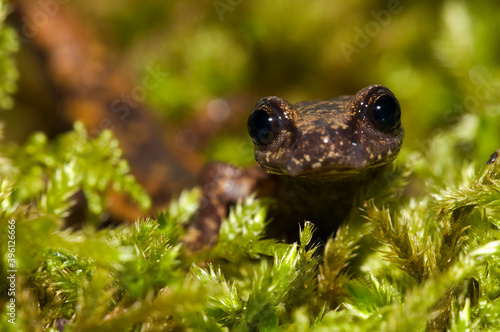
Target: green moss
(403, 262)
(420, 254)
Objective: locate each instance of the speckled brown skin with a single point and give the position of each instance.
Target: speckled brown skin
(324, 152)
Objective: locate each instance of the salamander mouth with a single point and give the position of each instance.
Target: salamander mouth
(327, 172)
(337, 169)
(312, 159)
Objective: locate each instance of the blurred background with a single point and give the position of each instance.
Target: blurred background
(199, 66)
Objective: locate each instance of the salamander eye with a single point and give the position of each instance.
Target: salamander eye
(264, 124)
(387, 112)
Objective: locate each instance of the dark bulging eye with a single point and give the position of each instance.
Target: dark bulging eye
(264, 125)
(387, 112)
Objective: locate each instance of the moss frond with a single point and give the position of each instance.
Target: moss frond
(50, 174)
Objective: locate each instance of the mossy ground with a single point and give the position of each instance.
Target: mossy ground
(401, 262)
(423, 253)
